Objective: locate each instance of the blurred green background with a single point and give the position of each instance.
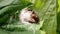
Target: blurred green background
(58, 16)
(46, 10)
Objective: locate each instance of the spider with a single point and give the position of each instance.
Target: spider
(28, 16)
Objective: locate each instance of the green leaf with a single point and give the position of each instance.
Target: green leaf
(46, 10)
(38, 4)
(5, 2)
(8, 10)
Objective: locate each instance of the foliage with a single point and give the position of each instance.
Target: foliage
(9, 20)
(58, 16)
